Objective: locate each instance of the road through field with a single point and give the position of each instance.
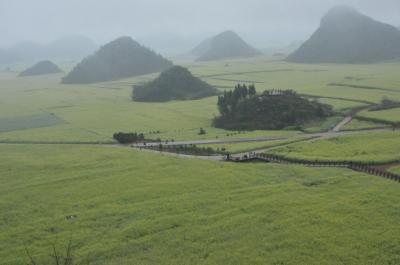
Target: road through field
(301, 137)
(145, 147)
(340, 125)
(324, 135)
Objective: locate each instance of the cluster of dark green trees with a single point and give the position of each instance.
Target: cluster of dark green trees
(186, 149)
(128, 138)
(244, 109)
(230, 99)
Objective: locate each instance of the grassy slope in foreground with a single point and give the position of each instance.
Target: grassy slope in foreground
(368, 147)
(143, 208)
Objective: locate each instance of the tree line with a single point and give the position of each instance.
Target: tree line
(229, 100)
(128, 138)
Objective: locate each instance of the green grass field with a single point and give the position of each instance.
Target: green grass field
(356, 124)
(390, 115)
(366, 147)
(142, 208)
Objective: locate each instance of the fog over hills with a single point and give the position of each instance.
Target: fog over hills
(347, 36)
(69, 47)
(176, 26)
(6, 57)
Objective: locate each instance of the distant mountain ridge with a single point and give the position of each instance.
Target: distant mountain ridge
(69, 47)
(225, 45)
(347, 36)
(121, 58)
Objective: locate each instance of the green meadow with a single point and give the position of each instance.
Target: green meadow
(121, 206)
(94, 112)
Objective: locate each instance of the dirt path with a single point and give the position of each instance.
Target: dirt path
(341, 124)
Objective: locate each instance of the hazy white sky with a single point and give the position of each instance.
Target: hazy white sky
(179, 23)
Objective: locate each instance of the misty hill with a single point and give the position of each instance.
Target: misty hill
(225, 45)
(118, 59)
(41, 68)
(202, 48)
(70, 47)
(346, 36)
(176, 83)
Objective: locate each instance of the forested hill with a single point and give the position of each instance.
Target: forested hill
(118, 59)
(176, 83)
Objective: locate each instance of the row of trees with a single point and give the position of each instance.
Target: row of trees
(385, 104)
(229, 100)
(185, 149)
(128, 138)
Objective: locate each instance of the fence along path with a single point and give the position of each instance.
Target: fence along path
(356, 166)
